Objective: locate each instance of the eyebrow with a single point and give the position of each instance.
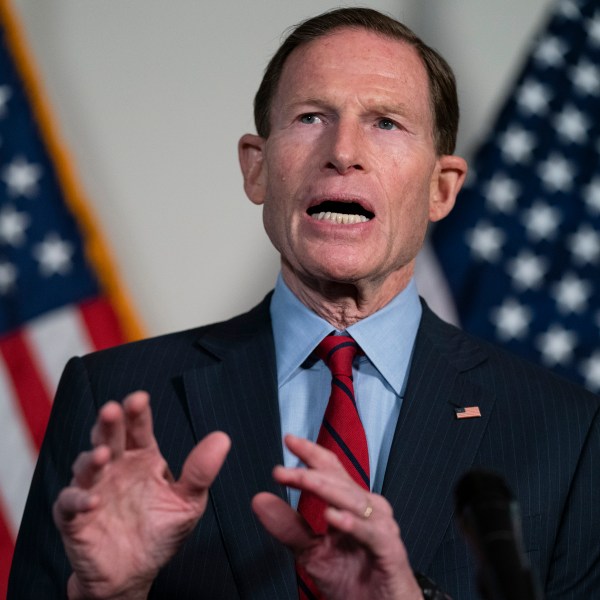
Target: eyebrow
(300, 101)
(380, 108)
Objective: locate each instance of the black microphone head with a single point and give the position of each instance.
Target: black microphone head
(480, 486)
(489, 517)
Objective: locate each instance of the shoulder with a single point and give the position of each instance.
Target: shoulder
(175, 346)
(156, 364)
(498, 371)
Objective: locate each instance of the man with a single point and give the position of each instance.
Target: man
(356, 122)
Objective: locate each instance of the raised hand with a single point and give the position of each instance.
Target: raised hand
(361, 555)
(124, 516)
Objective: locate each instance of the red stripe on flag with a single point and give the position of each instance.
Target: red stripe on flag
(32, 395)
(101, 323)
(7, 548)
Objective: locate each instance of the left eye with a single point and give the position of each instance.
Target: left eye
(386, 124)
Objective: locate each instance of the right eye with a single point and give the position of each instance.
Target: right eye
(310, 119)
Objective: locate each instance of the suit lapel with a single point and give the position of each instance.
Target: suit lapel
(236, 392)
(431, 447)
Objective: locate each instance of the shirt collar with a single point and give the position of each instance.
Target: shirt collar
(387, 336)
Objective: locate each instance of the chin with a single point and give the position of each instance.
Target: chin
(337, 274)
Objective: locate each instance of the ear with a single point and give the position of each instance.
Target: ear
(251, 155)
(449, 175)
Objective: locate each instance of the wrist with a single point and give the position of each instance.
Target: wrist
(75, 591)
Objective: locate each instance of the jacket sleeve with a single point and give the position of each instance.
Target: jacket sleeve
(40, 568)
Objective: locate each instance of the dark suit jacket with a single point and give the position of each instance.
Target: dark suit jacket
(541, 433)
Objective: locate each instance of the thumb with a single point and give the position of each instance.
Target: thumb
(282, 521)
(203, 464)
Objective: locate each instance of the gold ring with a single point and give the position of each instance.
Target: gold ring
(368, 512)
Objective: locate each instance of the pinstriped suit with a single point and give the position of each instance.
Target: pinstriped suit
(541, 433)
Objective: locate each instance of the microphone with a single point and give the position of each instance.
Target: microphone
(489, 517)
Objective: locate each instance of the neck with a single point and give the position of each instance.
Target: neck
(342, 304)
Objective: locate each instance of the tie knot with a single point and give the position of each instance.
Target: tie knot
(338, 352)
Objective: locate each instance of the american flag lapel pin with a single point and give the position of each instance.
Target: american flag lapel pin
(467, 412)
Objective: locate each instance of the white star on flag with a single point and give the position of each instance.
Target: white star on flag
(8, 276)
(590, 369)
(556, 173)
(22, 177)
(527, 270)
(568, 9)
(585, 245)
(511, 319)
(54, 255)
(533, 98)
(541, 221)
(572, 125)
(594, 30)
(586, 78)
(517, 145)
(571, 294)
(485, 242)
(556, 345)
(502, 193)
(591, 195)
(12, 226)
(550, 52)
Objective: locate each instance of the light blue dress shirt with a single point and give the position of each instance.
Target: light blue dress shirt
(386, 337)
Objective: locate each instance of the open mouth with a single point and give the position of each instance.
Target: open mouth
(346, 213)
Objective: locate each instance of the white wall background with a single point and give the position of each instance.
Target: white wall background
(151, 97)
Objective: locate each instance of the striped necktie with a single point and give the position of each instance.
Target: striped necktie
(341, 432)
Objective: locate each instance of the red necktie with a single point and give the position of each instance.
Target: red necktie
(341, 432)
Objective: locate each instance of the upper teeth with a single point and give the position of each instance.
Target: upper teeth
(340, 218)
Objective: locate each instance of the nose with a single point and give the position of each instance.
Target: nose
(346, 147)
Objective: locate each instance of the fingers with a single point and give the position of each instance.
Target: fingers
(88, 466)
(373, 525)
(315, 456)
(126, 426)
(71, 502)
(380, 534)
(109, 429)
(339, 492)
(138, 421)
(325, 477)
(202, 465)
(367, 517)
(282, 521)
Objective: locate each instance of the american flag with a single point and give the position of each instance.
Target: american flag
(521, 250)
(467, 412)
(58, 294)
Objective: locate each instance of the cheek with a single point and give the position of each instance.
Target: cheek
(410, 214)
(278, 217)
(271, 214)
(409, 195)
(270, 223)
(282, 151)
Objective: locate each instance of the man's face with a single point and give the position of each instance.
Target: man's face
(349, 176)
